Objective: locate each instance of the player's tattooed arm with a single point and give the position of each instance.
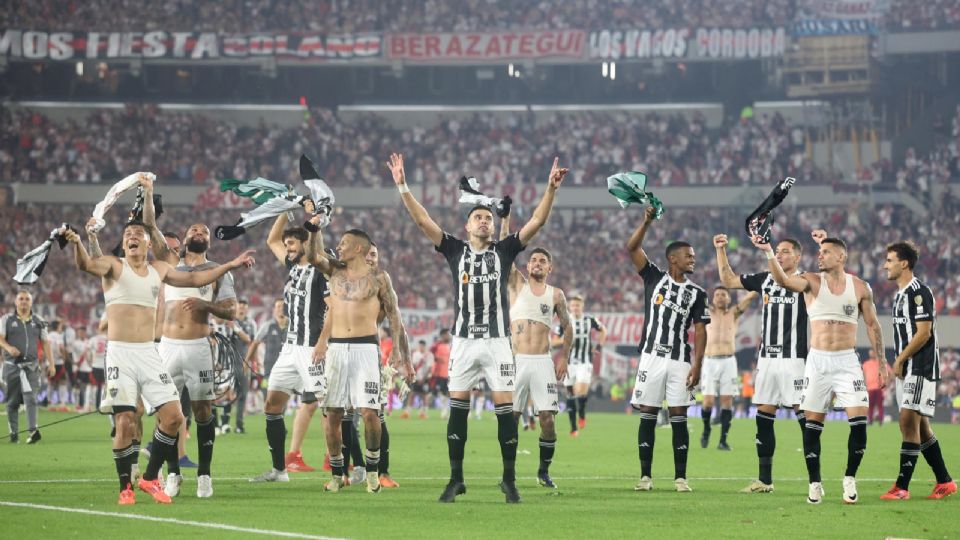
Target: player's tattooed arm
(224, 309)
(93, 240)
(744, 304)
(874, 329)
(400, 355)
(160, 250)
(560, 308)
(635, 243)
(314, 250)
(99, 266)
(416, 210)
(728, 277)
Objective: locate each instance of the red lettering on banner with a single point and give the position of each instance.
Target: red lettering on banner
(509, 39)
(545, 44)
(528, 195)
(398, 46)
(526, 44)
(493, 48)
(473, 47)
(433, 46)
(454, 48)
(416, 46)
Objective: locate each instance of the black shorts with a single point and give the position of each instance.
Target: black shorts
(420, 387)
(308, 397)
(97, 376)
(439, 385)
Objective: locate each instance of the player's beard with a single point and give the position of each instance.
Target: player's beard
(195, 245)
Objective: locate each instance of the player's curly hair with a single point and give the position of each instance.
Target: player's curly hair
(906, 251)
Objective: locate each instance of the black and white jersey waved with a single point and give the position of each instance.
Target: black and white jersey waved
(783, 332)
(670, 309)
(480, 298)
(304, 295)
(913, 304)
(582, 348)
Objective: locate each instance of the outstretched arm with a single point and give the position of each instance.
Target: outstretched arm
(744, 304)
(200, 278)
(414, 208)
(100, 266)
(515, 276)
(160, 250)
(728, 277)
(275, 238)
(560, 308)
(635, 243)
(314, 249)
(794, 283)
(874, 330)
(400, 356)
(542, 213)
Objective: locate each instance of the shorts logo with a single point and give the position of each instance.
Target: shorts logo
(164, 378)
(931, 403)
(798, 384)
(909, 388)
(371, 388)
(114, 392)
(206, 376)
(508, 370)
(849, 310)
(859, 385)
(551, 388)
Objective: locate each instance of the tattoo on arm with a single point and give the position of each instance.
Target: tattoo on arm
(388, 300)
(874, 329)
(560, 307)
(95, 250)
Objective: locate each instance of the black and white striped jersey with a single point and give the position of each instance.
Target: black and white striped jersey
(783, 332)
(481, 300)
(670, 309)
(304, 295)
(913, 304)
(582, 349)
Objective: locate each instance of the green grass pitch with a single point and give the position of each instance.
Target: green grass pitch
(72, 468)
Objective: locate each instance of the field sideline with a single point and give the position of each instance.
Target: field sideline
(68, 483)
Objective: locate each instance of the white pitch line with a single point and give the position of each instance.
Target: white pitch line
(141, 517)
(444, 478)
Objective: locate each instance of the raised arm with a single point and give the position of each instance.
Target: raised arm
(515, 276)
(200, 278)
(400, 355)
(744, 304)
(275, 238)
(100, 266)
(560, 308)
(635, 243)
(414, 208)
(874, 331)
(314, 249)
(542, 213)
(796, 283)
(160, 250)
(728, 277)
(92, 239)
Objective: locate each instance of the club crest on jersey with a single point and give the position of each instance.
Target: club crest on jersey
(155, 291)
(687, 296)
(544, 309)
(849, 310)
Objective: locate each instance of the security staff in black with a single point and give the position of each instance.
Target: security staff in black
(21, 333)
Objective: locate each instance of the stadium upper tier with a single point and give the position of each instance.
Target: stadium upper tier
(342, 16)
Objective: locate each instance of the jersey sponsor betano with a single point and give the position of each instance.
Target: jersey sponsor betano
(481, 300)
(582, 348)
(670, 308)
(912, 304)
(783, 332)
(304, 294)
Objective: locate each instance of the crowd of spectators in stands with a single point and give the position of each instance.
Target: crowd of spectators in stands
(347, 16)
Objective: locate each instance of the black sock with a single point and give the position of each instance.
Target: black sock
(856, 444)
(337, 468)
(726, 416)
(121, 458)
(766, 444)
(582, 406)
(705, 413)
(384, 467)
(802, 420)
(276, 435)
(646, 436)
(457, 436)
(206, 435)
(164, 446)
(373, 461)
(909, 452)
(572, 412)
(507, 435)
(547, 448)
(811, 448)
(681, 445)
(931, 452)
(346, 438)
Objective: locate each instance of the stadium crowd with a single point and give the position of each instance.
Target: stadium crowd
(342, 16)
(188, 148)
